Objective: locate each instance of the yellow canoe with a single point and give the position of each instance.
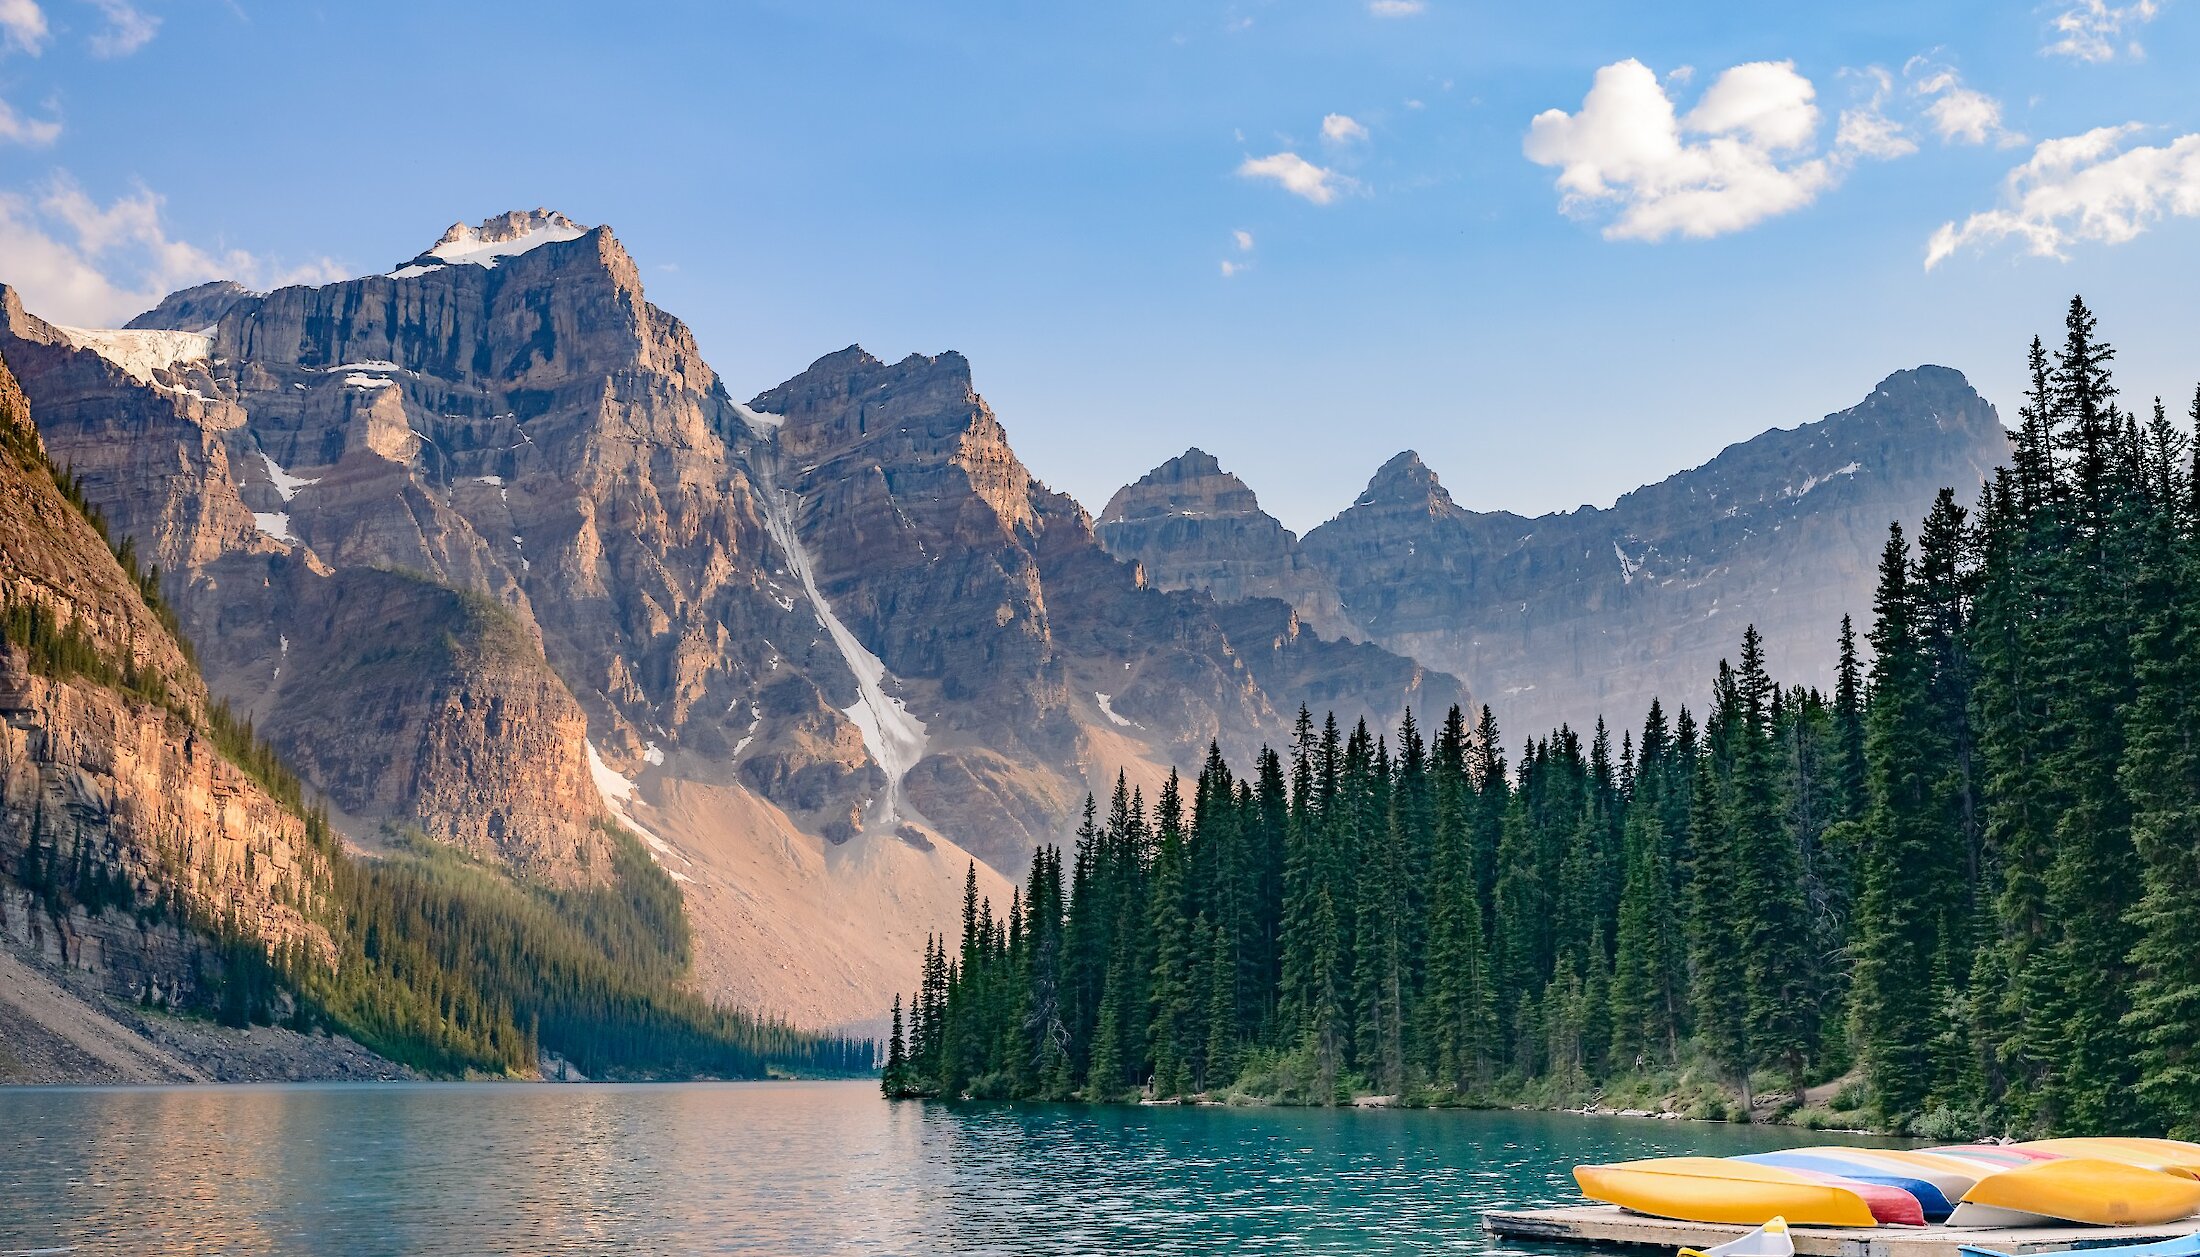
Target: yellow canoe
(2167, 1156)
(1708, 1189)
(2089, 1190)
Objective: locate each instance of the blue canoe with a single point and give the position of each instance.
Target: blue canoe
(2189, 1246)
(1930, 1201)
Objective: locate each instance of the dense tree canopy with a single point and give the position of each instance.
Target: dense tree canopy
(1970, 873)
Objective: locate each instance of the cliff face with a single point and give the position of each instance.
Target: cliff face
(1031, 666)
(1592, 612)
(488, 551)
(121, 825)
(1192, 525)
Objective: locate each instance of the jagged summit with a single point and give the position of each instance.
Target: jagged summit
(492, 240)
(193, 309)
(1192, 483)
(1405, 481)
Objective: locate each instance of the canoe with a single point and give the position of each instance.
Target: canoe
(1708, 1189)
(1770, 1240)
(1998, 1154)
(1932, 1203)
(2186, 1246)
(1890, 1206)
(1953, 1176)
(2081, 1189)
(2167, 1156)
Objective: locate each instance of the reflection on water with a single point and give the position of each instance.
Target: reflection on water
(766, 1168)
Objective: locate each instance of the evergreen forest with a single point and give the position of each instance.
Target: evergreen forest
(1965, 882)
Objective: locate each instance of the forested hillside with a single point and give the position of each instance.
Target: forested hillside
(1970, 872)
(151, 837)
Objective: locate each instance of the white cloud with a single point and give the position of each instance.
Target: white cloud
(1959, 114)
(1230, 268)
(2090, 29)
(1298, 176)
(1396, 8)
(1866, 131)
(1340, 128)
(82, 263)
(128, 28)
(31, 132)
(2083, 188)
(1243, 240)
(1745, 153)
(22, 26)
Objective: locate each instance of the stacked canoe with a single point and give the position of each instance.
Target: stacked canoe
(2108, 1182)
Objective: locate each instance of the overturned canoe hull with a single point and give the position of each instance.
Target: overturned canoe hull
(2167, 1156)
(2078, 1189)
(1708, 1189)
(1932, 1203)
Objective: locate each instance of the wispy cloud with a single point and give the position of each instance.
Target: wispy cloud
(1298, 176)
(78, 261)
(1243, 240)
(1746, 152)
(29, 132)
(2086, 187)
(1865, 129)
(2093, 30)
(1340, 128)
(1959, 114)
(1396, 8)
(128, 28)
(22, 26)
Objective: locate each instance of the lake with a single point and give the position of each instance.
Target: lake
(769, 1168)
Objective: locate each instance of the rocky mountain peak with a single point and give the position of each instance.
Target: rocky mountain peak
(1191, 485)
(1189, 524)
(1942, 396)
(1406, 481)
(193, 309)
(494, 239)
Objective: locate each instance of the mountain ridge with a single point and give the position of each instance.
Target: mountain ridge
(1483, 594)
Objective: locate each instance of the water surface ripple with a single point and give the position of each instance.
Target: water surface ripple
(767, 1168)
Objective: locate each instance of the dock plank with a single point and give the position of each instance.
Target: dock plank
(1609, 1224)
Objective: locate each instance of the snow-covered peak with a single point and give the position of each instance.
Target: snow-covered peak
(494, 239)
(142, 353)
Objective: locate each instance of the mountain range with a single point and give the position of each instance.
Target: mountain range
(490, 555)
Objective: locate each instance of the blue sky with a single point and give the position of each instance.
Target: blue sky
(1551, 311)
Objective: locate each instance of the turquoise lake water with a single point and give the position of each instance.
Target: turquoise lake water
(771, 1168)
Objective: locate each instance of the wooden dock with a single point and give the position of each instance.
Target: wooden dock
(1609, 1224)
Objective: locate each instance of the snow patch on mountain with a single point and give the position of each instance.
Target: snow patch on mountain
(140, 353)
(1812, 482)
(495, 239)
(761, 421)
(619, 794)
(894, 738)
(286, 485)
(1107, 708)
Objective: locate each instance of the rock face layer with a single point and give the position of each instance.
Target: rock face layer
(1040, 665)
(1566, 617)
(1192, 525)
(124, 831)
(489, 552)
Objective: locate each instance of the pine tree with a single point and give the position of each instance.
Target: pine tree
(2161, 772)
(893, 1078)
(1894, 941)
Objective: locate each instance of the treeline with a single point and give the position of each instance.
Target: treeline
(442, 963)
(1970, 873)
(453, 967)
